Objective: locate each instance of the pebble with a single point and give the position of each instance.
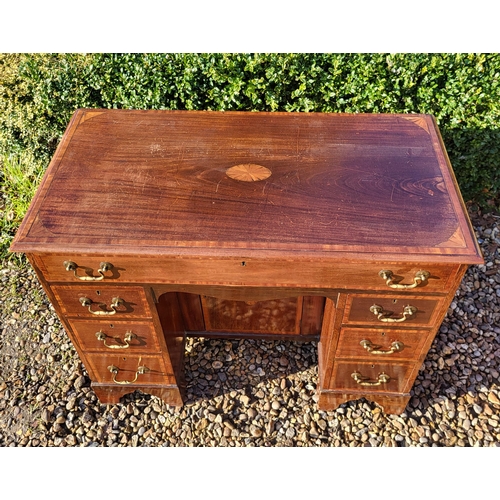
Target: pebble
(245, 399)
(492, 398)
(477, 409)
(233, 397)
(46, 415)
(256, 431)
(71, 440)
(283, 361)
(79, 383)
(252, 413)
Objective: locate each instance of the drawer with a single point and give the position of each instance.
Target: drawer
(114, 337)
(130, 369)
(321, 273)
(370, 376)
(102, 302)
(381, 344)
(392, 311)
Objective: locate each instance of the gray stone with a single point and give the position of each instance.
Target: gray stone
(79, 382)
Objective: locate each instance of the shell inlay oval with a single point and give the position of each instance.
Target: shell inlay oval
(248, 172)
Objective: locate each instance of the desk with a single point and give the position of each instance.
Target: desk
(347, 229)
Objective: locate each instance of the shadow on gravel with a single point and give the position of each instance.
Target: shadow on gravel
(215, 367)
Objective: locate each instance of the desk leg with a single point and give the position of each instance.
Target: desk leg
(173, 340)
(330, 400)
(111, 394)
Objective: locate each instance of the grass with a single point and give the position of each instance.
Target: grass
(20, 176)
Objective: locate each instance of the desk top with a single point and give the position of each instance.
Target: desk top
(354, 186)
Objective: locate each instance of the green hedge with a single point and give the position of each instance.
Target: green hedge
(39, 92)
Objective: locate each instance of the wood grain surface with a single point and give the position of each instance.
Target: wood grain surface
(128, 364)
(398, 374)
(116, 331)
(157, 180)
(134, 301)
(358, 310)
(349, 345)
(318, 273)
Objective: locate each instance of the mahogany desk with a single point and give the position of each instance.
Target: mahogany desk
(153, 225)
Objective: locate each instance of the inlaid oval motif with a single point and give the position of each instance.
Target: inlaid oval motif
(248, 172)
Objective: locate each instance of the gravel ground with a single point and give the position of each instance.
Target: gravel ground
(46, 400)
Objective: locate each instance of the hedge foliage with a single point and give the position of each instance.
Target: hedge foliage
(39, 93)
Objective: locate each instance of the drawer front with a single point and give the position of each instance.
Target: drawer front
(114, 337)
(127, 369)
(102, 302)
(381, 344)
(392, 311)
(247, 272)
(360, 375)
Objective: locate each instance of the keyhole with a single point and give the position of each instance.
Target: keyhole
(98, 292)
(243, 263)
(383, 334)
(395, 301)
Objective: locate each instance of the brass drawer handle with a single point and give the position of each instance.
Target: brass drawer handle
(381, 379)
(116, 302)
(128, 337)
(141, 370)
(381, 314)
(420, 277)
(396, 346)
(72, 266)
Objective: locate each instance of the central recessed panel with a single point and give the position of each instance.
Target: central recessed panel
(300, 317)
(270, 316)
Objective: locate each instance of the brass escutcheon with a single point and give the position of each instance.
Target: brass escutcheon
(420, 277)
(129, 336)
(381, 379)
(396, 346)
(381, 314)
(115, 302)
(103, 267)
(141, 370)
